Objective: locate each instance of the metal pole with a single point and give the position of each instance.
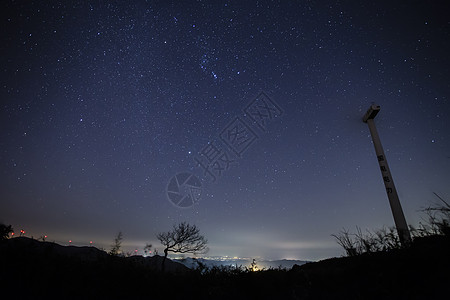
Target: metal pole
(396, 208)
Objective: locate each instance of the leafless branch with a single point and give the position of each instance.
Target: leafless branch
(183, 238)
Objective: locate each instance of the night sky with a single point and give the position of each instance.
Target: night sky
(104, 102)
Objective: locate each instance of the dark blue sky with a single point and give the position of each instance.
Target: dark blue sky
(104, 102)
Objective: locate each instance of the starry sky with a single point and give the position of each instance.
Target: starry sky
(104, 102)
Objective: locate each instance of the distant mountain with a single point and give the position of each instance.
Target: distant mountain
(283, 263)
(193, 263)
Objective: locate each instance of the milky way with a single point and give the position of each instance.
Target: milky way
(103, 103)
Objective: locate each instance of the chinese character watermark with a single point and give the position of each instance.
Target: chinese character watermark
(184, 189)
(238, 136)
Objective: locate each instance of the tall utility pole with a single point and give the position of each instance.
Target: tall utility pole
(396, 208)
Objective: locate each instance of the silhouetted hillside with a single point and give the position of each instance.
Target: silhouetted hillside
(40, 270)
(24, 246)
(419, 272)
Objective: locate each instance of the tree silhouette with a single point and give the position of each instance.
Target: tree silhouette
(115, 248)
(183, 238)
(5, 230)
(148, 249)
(254, 266)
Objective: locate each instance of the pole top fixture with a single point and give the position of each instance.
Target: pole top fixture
(371, 112)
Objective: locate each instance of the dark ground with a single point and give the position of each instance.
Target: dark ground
(40, 270)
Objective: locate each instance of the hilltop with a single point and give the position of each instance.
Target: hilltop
(43, 270)
(34, 251)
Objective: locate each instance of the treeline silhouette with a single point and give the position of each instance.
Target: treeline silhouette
(32, 269)
(376, 267)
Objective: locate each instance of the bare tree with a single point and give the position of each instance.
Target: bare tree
(115, 248)
(183, 238)
(5, 231)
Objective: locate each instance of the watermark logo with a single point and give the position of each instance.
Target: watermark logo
(214, 159)
(184, 190)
